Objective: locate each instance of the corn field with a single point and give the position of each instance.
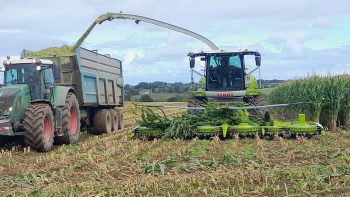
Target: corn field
(116, 165)
(325, 99)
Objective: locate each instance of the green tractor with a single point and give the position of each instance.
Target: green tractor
(226, 78)
(48, 100)
(28, 107)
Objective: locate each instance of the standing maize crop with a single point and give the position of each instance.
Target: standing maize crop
(328, 96)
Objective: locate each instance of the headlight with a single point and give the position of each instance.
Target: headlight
(7, 112)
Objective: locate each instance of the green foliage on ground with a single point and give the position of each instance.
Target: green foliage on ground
(183, 126)
(116, 165)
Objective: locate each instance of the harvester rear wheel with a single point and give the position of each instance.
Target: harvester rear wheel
(194, 102)
(102, 121)
(70, 121)
(39, 127)
(115, 119)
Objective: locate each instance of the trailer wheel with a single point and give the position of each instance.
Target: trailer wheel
(102, 121)
(70, 121)
(39, 127)
(120, 119)
(115, 119)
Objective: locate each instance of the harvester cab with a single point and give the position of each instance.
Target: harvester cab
(227, 77)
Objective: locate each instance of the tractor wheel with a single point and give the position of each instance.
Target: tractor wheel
(120, 119)
(115, 120)
(102, 121)
(70, 121)
(194, 102)
(39, 127)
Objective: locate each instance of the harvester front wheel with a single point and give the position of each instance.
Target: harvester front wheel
(259, 100)
(3, 140)
(102, 121)
(194, 102)
(70, 121)
(39, 127)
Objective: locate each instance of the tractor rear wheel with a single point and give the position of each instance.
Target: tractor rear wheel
(39, 127)
(115, 120)
(70, 121)
(102, 121)
(120, 119)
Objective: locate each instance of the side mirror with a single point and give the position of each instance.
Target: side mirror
(57, 72)
(192, 62)
(258, 60)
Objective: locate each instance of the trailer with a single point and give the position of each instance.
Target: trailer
(50, 99)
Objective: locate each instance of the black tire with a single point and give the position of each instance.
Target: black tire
(70, 121)
(259, 101)
(115, 119)
(3, 140)
(194, 102)
(120, 119)
(39, 127)
(102, 121)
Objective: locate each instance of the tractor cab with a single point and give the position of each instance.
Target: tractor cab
(225, 71)
(36, 73)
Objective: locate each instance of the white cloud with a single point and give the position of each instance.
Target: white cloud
(286, 33)
(130, 55)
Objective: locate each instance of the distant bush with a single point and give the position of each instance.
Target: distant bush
(146, 98)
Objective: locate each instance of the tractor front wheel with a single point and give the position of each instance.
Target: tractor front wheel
(39, 127)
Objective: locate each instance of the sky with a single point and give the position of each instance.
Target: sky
(295, 38)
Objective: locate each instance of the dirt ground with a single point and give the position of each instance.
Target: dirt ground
(115, 164)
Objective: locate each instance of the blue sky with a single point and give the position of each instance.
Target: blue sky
(295, 38)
